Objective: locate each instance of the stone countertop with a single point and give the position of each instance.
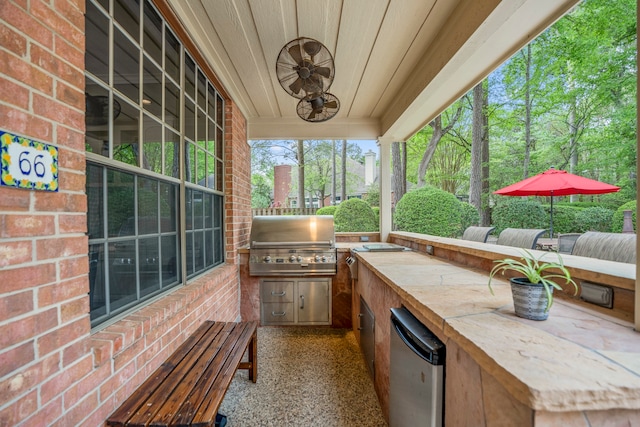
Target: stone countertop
(576, 360)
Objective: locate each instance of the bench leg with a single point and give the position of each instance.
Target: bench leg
(253, 357)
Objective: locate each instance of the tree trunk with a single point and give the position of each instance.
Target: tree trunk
(334, 187)
(477, 134)
(300, 156)
(343, 193)
(396, 160)
(485, 209)
(527, 118)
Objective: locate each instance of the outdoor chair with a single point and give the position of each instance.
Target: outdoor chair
(477, 234)
(520, 237)
(567, 241)
(619, 247)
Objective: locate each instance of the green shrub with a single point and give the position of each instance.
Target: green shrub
(618, 217)
(327, 210)
(517, 212)
(429, 210)
(355, 215)
(564, 218)
(470, 216)
(594, 219)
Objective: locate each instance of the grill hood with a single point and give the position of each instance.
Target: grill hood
(309, 231)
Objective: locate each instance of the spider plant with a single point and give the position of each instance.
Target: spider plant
(535, 271)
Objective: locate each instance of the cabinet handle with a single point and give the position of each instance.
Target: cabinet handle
(280, 314)
(301, 301)
(278, 294)
(360, 316)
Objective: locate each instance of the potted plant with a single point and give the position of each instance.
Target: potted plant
(533, 293)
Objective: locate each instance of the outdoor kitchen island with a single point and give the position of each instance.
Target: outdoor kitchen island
(578, 368)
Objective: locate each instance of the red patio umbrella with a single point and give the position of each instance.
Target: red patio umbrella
(555, 182)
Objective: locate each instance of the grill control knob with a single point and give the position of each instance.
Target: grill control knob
(267, 258)
(317, 258)
(324, 259)
(299, 258)
(292, 258)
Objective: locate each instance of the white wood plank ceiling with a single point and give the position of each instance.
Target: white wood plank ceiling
(398, 63)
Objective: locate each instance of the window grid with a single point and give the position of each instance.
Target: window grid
(154, 118)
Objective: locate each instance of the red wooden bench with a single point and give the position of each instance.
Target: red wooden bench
(187, 389)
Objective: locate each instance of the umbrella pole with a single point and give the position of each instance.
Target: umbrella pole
(551, 218)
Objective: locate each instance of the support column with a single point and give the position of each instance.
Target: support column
(384, 180)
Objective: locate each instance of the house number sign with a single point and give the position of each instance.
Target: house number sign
(27, 163)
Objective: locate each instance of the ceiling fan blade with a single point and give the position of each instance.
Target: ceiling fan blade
(312, 114)
(312, 47)
(323, 71)
(296, 85)
(295, 53)
(331, 104)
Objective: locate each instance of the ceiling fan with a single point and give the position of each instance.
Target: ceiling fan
(318, 107)
(305, 66)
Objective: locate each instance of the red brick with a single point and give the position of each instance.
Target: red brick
(12, 199)
(59, 383)
(91, 382)
(71, 180)
(117, 379)
(13, 41)
(128, 355)
(62, 291)
(60, 202)
(102, 351)
(74, 309)
(25, 380)
(26, 226)
(75, 415)
(16, 358)
(73, 139)
(70, 95)
(54, 20)
(14, 94)
(15, 305)
(26, 73)
(73, 54)
(25, 23)
(75, 352)
(27, 277)
(20, 409)
(47, 414)
(72, 223)
(61, 247)
(21, 123)
(26, 328)
(14, 253)
(57, 112)
(74, 160)
(58, 338)
(73, 267)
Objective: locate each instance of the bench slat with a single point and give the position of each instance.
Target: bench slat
(140, 395)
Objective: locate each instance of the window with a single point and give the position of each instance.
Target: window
(153, 120)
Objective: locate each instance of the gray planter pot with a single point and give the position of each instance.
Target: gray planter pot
(529, 299)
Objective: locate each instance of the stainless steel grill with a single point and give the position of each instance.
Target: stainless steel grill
(301, 245)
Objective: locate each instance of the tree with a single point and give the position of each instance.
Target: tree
(399, 161)
(300, 158)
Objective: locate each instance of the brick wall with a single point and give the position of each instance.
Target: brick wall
(53, 370)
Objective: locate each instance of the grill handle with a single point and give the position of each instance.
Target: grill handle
(312, 244)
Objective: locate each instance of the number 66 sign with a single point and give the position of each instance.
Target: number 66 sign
(27, 163)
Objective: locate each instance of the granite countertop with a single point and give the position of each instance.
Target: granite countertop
(576, 360)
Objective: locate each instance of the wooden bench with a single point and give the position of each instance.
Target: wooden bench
(187, 389)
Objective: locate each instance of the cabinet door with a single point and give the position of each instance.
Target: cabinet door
(313, 301)
(276, 291)
(277, 313)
